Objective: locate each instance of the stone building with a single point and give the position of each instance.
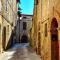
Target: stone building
(45, 30)
(25, 26)
(8, 17)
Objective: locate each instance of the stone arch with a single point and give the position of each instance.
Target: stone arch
(54, 40)
(24, 38)
(4, 38)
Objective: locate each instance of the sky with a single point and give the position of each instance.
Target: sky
(27, 6)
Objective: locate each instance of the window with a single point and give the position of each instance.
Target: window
(6, 4)
(39, 37)
(24, 25)
(7, 29)
(46, 30)
(39, 26)
(36, 2)
(24, 17)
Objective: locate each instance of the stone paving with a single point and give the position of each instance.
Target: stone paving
(20, 52)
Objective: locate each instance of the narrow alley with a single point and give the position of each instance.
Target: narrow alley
(29, 29)
(20, 52)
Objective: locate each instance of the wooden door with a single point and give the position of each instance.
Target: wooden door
(54, 40)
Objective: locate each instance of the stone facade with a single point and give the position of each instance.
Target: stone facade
(8, 17)
(25, 25)
(45, 30)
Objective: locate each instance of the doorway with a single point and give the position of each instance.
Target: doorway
(24, 39)
(54, 40)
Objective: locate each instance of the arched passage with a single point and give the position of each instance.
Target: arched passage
(24, 39)
(54, 40)
(4, 38)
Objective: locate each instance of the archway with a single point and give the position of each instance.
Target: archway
(54, 40)
(4, 38)
(24, 39)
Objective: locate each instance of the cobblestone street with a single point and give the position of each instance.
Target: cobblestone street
(20, 52)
